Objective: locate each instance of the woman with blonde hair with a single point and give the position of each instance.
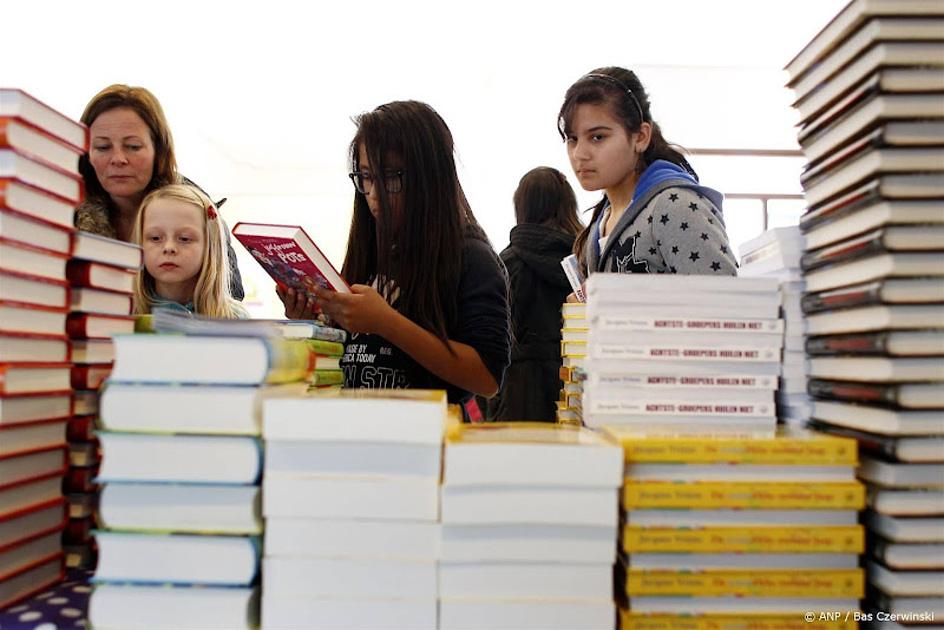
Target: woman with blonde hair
(182, 237)
(131, 153)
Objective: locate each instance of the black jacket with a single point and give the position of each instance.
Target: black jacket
(538, 287)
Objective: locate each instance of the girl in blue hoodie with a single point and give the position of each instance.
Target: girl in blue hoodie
(654, 216)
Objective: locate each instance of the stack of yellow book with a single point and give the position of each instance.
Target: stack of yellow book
(739, 532)
(573, 353)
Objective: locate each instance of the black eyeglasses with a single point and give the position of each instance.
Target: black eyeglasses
(393, 180)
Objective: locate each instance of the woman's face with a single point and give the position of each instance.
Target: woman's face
(601, 153)
(122, 153)
(372, 191)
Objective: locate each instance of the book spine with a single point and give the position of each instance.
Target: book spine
(686, 324)
(327, 377)
(800, 539)
(326, 348)
(777, 451)
(81, 429)
(724, 382)
(748, 583)
(828, 345)
(844, 252)
(856, 392)
(689, 408)
(575, 276)
(845, 297)
(683, 353)
(667, 495)
(290, 360)
(324, 333)
(573, 348)
(746, 621)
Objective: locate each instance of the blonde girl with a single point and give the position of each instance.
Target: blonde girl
(185, 268)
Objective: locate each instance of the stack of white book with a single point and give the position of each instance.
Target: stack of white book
(699, 354)
(529, 517)
(181, 467)
(351, 502)
(870, 94)
(776, 253)
(40, 186)
(574, 332)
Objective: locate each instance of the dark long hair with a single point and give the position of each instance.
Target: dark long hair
(419, 252)
(624, 93)
(545, 197)
(145, 105)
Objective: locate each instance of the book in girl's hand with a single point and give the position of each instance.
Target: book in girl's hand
(288, 255)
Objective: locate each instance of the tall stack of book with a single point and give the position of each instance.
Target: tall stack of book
(776, 253)
(529, 516)
(351, 503)
(870, 92)
(95, 316)
(739, 532)
(39, 189)
(181, 464)
(573, 354)
(683, 353)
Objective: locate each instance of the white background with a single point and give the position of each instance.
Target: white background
(260, 95)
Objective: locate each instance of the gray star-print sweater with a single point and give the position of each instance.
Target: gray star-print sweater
(675, 227)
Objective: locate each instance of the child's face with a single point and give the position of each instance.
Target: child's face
(372, 191)
(173, 241)
(601, 153)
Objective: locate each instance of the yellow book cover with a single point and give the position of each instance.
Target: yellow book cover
(737, 494)
(289, 360)
(538, 433)
(573, 348)
(648, 621)
(755, 539)
(787, 447)
(836, 583)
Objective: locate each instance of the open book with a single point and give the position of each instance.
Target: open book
(288, 254)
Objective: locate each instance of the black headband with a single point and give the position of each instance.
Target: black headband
(616, 82)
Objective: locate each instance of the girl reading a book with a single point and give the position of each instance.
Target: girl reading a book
(184, 255)
(131, 153)
(428, 306)
(654, 216)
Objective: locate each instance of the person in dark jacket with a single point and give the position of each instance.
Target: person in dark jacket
(547, 224)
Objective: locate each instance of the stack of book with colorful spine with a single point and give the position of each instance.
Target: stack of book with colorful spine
(179, 544)
(573, 355)
(351, 504)
(529, 517)
(739, 531)
(870, 94)
(674, 353)
(40, 186)
(776, 253)
(96, 314)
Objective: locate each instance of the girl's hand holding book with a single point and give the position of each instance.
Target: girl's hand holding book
(363, 310)
(298, 305)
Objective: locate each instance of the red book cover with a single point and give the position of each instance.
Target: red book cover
(78, 531)
(23, 583)
(83, 273)
(15, 102)
(24, 198)
(26, 408)
(95, 326)
(33, 520)
(30, 436)
(34, 378)
(26, 229)
(90, 376)
(81, 429)
(31, 320)
(42, 174)
(38, 463)
(17, 133)
(80, 480)
(20, 347)
(26, 288)
(288, 255)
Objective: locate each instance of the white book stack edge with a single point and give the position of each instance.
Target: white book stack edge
(351, 502)
(528, 527)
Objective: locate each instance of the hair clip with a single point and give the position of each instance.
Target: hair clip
(211, 211)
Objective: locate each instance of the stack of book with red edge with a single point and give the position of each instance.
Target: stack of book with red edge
(351, 502)
(870, 93)
(40, 186)
(180, 477)
(776, 253)
(739, 532)
(574, 333)
(529, 522)
(96, 314)
(693, 354)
